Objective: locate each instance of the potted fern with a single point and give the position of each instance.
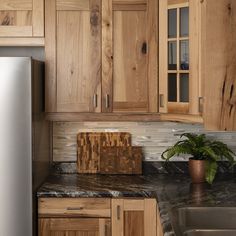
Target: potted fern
(204, 155)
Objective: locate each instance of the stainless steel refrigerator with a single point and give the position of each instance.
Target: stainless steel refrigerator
(24, 143)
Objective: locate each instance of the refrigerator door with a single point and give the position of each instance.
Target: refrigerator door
(15, 147)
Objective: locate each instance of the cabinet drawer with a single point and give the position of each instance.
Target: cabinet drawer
(84, 207)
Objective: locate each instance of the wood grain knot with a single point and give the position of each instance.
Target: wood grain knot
(144, 48)
(229, 7)
(94, 18)
(6, 20)
(232, 101)
(231, 91)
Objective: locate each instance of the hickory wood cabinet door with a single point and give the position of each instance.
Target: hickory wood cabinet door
(21, 18)
(129, 56)
(134, 217)
(74, 227)
(180, 54)
(74, 217)
(73, 55)
(101, 56)
(220, 65)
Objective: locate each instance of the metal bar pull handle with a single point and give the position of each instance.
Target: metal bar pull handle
(161, 100)
(200, 104)
(95, 100)
(118, 212)
(105, 229)
(74, 208)
(107, 101)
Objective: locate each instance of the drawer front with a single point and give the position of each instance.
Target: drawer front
(84, 207)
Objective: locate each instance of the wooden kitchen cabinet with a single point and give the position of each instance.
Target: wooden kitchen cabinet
(211, 60)
(74, 216)
(129, 56)
(101, 56)
(98, 217)
(21, 22)
(73, 55)
(134, 217)
(74, 227)
(220, 65)
(180, 54)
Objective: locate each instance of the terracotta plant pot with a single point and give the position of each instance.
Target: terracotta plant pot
(197, 170)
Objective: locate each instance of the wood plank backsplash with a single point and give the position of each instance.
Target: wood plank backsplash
(155, 137)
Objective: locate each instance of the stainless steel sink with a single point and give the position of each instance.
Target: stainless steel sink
(201, 221)
(210, 232)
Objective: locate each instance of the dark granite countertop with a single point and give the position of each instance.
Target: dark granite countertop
(169, 190)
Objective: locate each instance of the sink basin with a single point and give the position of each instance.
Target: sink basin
(201, 221)
(209, 232)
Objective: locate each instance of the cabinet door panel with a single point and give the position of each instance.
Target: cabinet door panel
(74, 227)
(75, 62)
(129, 56)
(134, 217)
(218, 40)
(78, 62)
(22, 18)
(180, 25)
(130, 61)
(134, 223)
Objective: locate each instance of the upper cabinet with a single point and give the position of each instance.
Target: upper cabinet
(220, 65)
(180, 87)
(23, 19)
(73, 55)
(134, 60)
(129, 56)
(101, 56)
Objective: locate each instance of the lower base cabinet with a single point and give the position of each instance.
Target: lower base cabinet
(98, 217)
(75, 227)
(134, 217)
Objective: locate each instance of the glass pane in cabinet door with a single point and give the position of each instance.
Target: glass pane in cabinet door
(172, 87)
(184, 22)
(172, 55)
(172, 23)
(184, 55)
(184, 87)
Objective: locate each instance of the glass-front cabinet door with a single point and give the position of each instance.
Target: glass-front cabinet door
(179, 58)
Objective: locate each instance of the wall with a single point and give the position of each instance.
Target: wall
(155, 137)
